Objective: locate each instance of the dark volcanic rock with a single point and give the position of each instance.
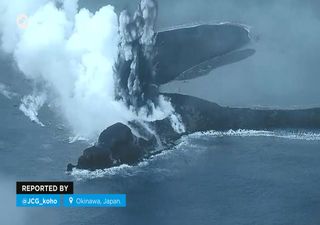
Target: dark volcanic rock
(116, 145)
(176, 48)
(201, 115)
(175, 58)
(95, 158)
(117, 134)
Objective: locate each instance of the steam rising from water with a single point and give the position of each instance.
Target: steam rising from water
(4, 90)
(30, 106)
(190, 143)
(135, 69)
(71, 53)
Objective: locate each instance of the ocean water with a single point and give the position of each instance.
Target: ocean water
(212, 178)
(235, 177)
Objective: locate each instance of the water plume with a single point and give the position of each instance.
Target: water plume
(73, 53)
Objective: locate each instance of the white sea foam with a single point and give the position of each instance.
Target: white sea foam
(31, 104)
(122, 170)
(74, 139)
(187, 144)
(147, 165)
(125, 170)
(72, 52)
(294, 135)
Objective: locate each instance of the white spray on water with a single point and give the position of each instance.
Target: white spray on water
(72, 52)
(30, 106)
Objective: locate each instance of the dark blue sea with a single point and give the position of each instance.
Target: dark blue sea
(235, 177)
(239, 177)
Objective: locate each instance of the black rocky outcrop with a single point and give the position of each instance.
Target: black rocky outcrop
(116, 145)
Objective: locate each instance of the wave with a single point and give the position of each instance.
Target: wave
(73, 139)
(125, 170)
(293, 135)
(122, 170)
(187, 144)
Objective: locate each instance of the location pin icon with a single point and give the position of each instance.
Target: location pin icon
(70, 200)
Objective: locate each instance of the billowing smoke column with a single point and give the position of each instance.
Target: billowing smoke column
(135, 68)
(70, 53)
(92, 72)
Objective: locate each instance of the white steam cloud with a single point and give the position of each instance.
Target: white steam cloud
(4, 90)
(71, 53)
(30, 106)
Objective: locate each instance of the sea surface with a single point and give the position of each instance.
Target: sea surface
(235, 177)
(214, 178)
